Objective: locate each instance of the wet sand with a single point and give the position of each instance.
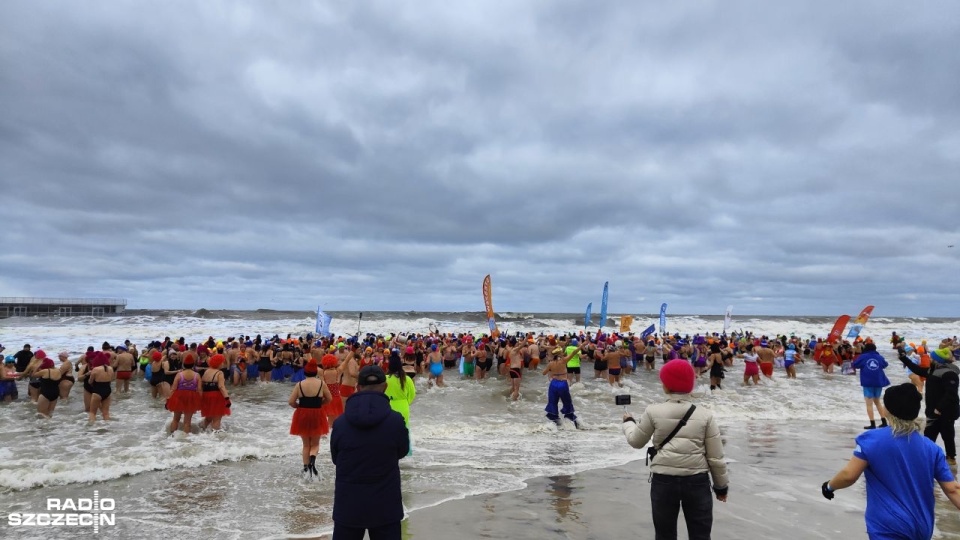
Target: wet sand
(775, 473)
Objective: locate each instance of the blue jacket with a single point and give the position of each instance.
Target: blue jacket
(368, 441)
(871, 366)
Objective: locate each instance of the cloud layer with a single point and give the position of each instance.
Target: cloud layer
(794, 158)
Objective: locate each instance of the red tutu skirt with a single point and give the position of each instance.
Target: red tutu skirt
(184, 401)
(213, 404)
(335, 407)
(310, 422)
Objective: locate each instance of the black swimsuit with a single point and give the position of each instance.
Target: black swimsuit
(308, 402)
(212, 386)
(49, 388)
(156, 375)
(265, 364)
(102, 389)
(87, 387)
(175, 366)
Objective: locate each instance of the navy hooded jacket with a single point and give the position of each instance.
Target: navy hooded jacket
(367, 443)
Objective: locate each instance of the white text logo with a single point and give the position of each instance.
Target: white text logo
(94, 512)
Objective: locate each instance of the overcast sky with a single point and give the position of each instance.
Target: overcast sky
(786, 158)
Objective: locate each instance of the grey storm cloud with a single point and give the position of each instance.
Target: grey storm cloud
(790, 158)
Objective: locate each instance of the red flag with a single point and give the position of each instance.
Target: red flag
(838, 328)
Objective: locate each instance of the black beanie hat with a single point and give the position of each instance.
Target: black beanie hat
(903, 401)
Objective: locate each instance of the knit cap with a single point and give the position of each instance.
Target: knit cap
(903, 401)
(678, 376)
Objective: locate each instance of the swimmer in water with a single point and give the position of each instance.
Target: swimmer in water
(186, 396)
(101, 375)
(310, 422)
(215, 401)
(66, 375)
(49, 377)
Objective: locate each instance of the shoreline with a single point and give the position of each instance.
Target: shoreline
(772, 494)
(775, 476)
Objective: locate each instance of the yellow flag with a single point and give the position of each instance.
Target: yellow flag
(625, 323)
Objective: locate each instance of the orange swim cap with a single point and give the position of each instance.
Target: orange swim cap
(216, 361)
(328, 361)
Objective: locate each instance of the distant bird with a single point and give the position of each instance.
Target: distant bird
(950, 246)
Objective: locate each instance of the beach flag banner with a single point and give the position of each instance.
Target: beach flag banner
(861, 320)
(603, 305)
(727, 319)
(625, 323)
(323, 323)
(838, 328)
(648, 332)
(488, 303)
(663, 319)
(586, 318)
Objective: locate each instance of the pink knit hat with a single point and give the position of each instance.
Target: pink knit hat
(678, 376)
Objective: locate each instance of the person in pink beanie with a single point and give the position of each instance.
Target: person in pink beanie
(686, 453)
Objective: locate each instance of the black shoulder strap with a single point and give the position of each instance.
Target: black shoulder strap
(683, 422)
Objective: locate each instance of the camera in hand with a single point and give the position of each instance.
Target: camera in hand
(623, 399)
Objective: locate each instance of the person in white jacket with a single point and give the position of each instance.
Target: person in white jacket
(682, 468)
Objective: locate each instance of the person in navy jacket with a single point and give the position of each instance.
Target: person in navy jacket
(872, 379)
(367, 443)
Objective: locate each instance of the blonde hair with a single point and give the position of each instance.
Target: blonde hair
(902, 428)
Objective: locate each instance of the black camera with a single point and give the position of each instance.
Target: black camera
(623, 399)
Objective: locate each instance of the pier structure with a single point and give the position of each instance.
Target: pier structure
(60, 307)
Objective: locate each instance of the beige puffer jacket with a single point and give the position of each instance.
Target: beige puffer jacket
(695, 449)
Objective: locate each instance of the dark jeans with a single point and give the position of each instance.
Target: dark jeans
(669, 493)
(385, 532)
(944, 428)
(559, 391)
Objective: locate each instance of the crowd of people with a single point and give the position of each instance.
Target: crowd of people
(194, 377)
(326, 372)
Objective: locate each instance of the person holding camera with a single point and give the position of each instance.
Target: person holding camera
(686, 452)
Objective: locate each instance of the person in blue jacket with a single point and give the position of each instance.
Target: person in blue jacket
(872, 379)
(368, 441)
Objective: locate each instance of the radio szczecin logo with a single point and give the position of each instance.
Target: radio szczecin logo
(94, 512)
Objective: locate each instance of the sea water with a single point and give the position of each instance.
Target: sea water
(468, 437)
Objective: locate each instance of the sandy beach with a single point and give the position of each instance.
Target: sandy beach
(775, 471)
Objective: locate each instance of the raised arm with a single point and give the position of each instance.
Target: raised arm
(917, 370)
